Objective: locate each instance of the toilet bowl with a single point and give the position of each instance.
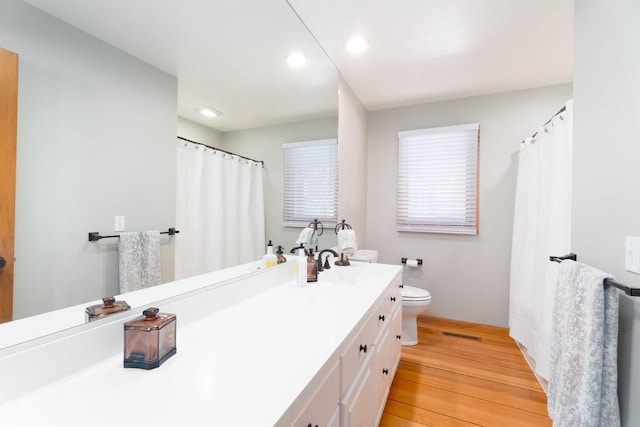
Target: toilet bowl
(414, 303)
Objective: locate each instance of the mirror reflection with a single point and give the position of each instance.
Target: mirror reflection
(97, 134)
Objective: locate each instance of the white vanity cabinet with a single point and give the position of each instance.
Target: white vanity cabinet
(376, 348)
(367, 361)
(327, 356)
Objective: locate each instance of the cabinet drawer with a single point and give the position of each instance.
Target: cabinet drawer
(323, 404)
(357, 349)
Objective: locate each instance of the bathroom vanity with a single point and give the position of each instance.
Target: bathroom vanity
(255, 350)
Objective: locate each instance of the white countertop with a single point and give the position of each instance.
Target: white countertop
(242, 365)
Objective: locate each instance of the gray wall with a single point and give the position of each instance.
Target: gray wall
(352, 162)
(265, 143)
(467, 276)
(606, 184)
(96, 138)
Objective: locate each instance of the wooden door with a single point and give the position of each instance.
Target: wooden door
(8, 138)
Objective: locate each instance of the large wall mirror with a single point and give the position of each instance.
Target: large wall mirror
(97, 124)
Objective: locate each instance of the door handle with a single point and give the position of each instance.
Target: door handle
(3, 262)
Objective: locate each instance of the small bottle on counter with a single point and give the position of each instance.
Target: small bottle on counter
(312, 267)
(301, 268)
(269, 259)
(280, 255)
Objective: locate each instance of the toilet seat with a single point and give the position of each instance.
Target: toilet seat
(413, 294)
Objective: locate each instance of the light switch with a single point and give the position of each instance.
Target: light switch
(632, 254)
(118, 223)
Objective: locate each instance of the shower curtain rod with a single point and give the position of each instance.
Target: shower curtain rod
(549, 121)
(224, 151)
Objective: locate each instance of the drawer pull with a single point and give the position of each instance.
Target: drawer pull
(401, 286)
(398, 336)
(381, 317)
(363, 347)
(393, 299)
(385, 371)
(309, 425)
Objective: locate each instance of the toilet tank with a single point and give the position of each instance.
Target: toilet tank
(365, 255)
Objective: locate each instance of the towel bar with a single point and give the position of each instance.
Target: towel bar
(94, 236)
(634, 292)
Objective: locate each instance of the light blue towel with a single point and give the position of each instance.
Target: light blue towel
(583, 372)
(139, 260)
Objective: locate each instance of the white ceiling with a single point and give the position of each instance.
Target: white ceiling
(428, 50)
(231, 55)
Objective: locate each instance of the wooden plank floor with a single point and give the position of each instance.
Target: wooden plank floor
(449, 380)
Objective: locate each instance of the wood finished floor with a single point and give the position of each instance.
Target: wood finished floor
(454, 381)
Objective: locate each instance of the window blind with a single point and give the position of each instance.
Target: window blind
(438, 180)
(310, 182)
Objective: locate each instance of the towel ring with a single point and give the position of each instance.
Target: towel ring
(342, 226)
(315, 224)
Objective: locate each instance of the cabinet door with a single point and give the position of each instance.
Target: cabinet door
(334, 421)
(384, 370)
(323, 404)
(360, 401)
(383, 367)
(356, 351)
(395, 336)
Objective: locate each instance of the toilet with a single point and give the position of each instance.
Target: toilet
(414, 303)
(414, 300)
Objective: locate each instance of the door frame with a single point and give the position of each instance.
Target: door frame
(8, 147)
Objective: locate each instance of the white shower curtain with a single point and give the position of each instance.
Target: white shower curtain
(219, 210)
(541, 227)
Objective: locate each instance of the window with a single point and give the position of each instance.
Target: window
(438, 180)
(310, 182)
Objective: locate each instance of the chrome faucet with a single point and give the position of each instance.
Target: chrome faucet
(327, 266)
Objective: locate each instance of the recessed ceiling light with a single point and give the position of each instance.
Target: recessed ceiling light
(296, 60)
(357, 45)
(209, 112)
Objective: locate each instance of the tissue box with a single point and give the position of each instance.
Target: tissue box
(149, 340)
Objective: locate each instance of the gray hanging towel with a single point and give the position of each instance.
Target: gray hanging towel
(139, 260)
(583, 383)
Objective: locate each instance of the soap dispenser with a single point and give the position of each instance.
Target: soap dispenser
(269, 259)
(301, 268)
(312, 267)
(280, 255)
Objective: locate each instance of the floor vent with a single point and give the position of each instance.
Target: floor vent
(467, 337)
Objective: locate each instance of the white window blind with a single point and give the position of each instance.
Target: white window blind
(310, 182)
(438, 180)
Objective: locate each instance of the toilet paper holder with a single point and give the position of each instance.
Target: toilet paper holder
(404, 261)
